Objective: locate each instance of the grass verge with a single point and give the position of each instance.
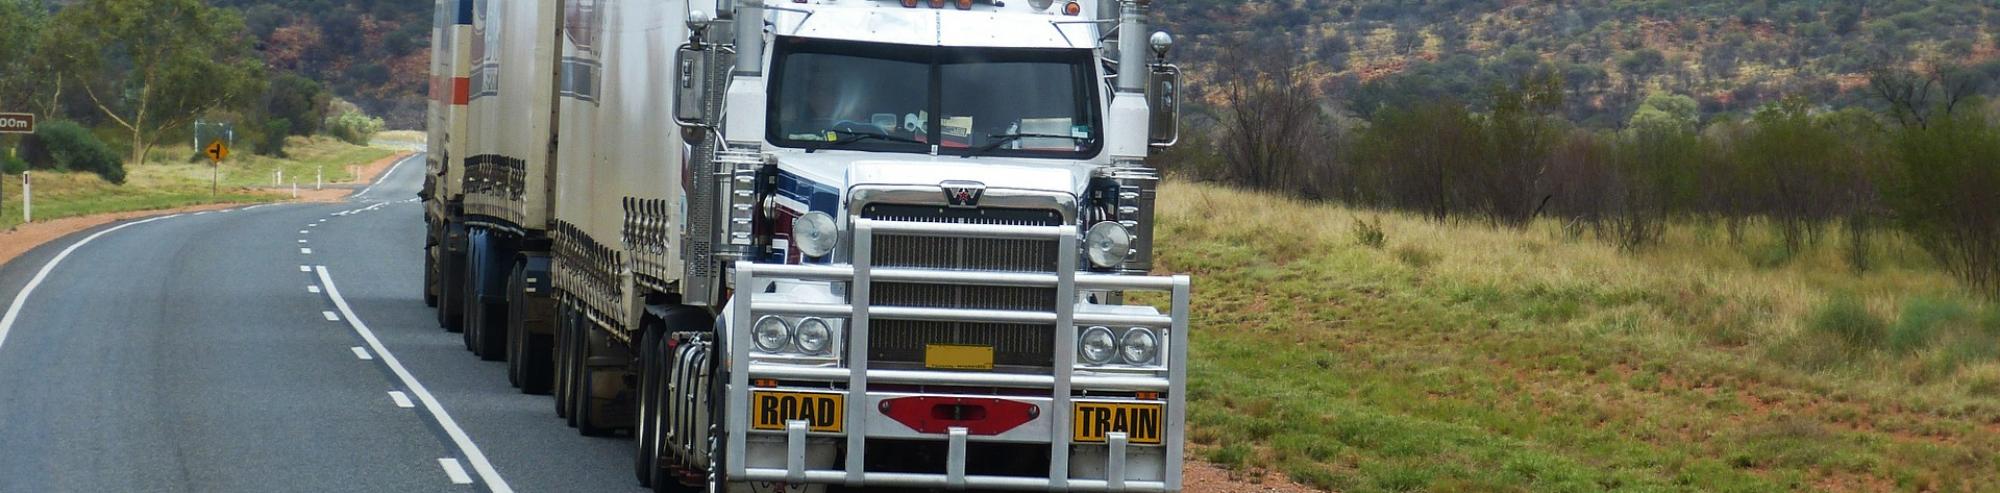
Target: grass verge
(1464, 357)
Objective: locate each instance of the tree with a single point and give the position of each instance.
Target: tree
(1667, 110)
(152, 66)
(20, 23)
(298, 100)
(1273, 124)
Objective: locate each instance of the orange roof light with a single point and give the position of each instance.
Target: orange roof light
(1072, 8)
(937, 4)
(910, 3)
(965, 4)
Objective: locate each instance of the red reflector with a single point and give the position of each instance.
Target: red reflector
(979, 416)
(1150, 396)
(1072, 8)
(764, 383)
(461, 90)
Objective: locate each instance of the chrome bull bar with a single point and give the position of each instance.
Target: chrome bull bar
(1066, 282)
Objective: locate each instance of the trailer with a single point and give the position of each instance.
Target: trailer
(820, 243)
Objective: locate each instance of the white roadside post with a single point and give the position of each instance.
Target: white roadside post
(319, 176)
(295, 189)
(27, 198)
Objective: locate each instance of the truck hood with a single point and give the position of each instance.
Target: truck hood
(845, 170)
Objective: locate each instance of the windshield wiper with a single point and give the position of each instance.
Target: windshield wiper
(861, 136)
(1003, 139)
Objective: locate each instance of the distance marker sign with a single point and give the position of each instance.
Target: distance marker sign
(17, 123)
(216, 151)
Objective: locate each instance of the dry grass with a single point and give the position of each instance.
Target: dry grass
(1469, 357)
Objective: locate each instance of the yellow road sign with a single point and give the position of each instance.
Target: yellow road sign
(216, 151)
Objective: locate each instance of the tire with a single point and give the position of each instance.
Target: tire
(565, 323)
(589, 411)
(469, 301)
(645, 431)
(517, 326)
(451, 286)
(430, 277)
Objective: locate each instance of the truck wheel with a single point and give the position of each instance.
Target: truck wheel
(430, 277)
(565, 321)
(591, 419)
(469, 299)
(645, 430)
(451, 285)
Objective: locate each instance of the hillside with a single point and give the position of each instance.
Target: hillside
(1458, 356)
(375, 53)
(1731, 56)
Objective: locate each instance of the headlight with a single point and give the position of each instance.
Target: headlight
(1095, 346)
(1139, 346)
(813, 335)
(1107, 244)
(771, 334)
(815, 234)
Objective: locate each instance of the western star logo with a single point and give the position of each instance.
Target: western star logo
(963, 193)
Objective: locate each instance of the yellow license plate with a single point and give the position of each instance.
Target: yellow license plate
(958, 357)
(821, 412)
(1093, 422)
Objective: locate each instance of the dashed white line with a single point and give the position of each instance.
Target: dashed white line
(455, 471)
(330, 316)
(362, 354)
(305, 251)
(402, 400)
(302, 240)
(303, 268)
(312, 289)
(305, 231)
(14, 309)
(464, 443)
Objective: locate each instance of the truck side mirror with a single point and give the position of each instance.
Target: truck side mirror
(1163, 88)
(690, 80)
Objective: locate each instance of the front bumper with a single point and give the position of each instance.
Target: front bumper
(1115, 464)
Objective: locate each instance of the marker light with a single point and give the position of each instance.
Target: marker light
(910, 4)
(965, 4)
(937, 4)
(1072, 8)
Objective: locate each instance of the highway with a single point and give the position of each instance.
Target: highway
(282, 347)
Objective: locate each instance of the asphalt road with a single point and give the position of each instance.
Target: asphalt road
(209, 352)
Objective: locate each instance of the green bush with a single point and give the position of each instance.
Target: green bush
(350, 124)
(1921, 322)
(272, 141)
(66, 146)
(1845, 319)
(1369, 233)
(10, 165)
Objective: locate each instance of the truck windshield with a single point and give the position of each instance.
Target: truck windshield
(966, 101)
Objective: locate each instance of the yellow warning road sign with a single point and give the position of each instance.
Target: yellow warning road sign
(216, 151)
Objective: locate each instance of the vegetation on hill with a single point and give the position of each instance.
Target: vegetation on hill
(1729, 56)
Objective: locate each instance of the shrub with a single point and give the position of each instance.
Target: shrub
(11, 165)
(67, 146)
(350, 124)
(1415, 256)
(1845, 319)
(1919, 324)
(1369, 233)
(272, 142)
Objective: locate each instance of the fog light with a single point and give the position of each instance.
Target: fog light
(771, 333)
(1096, 346)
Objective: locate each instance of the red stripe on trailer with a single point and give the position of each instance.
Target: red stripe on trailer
(461, 90)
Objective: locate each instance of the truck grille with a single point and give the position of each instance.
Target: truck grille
(1016, 347)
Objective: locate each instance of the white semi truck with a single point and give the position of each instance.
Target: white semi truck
(818, 243)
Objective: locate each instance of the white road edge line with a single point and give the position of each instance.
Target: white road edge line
(455, 471)
(330, 317)
(363, 354)
(402, 401)
(385, 174)
(450, 426)
(14, 309)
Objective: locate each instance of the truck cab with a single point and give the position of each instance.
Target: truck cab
(929, 215)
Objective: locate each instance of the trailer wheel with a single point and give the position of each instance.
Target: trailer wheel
(451, 285)
(430, 276)
(645, 429)
(564, 326)
(590, 411)
(470, 319)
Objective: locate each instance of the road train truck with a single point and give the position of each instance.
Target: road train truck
(813, 244)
